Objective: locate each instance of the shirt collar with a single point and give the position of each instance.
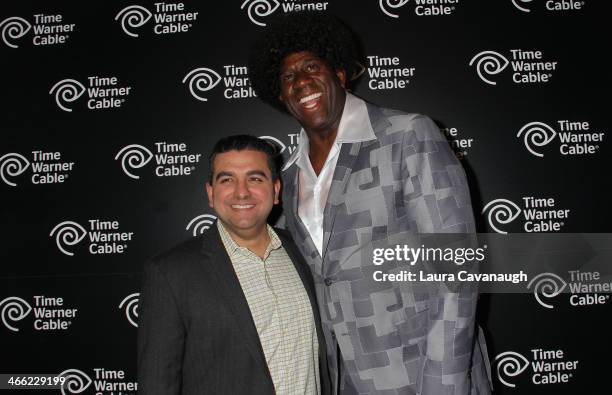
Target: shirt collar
(355, 126)
(231, 246)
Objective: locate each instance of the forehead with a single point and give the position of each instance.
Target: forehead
(242, 161)
(295, 58)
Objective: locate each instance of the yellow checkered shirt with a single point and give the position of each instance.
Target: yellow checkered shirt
(282, 313)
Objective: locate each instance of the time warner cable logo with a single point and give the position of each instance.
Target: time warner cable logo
(171, 159)
(501, 212)
(169, 18)
(387, 5)
(104, 237)
(551, 5)
(200, 224)
(540, 214)
(546, 286)
(489, 63)
(102, 92)
(528, 66)
(575, 137)
(67, 233)
(47, 30)
(14, 28)
(421, 8)
(133, 156)
(536, 134)
(13, 309)
(133, 17)
(201, 80)
(66, 91)
(260, 9)
(510, 364)
(550, 366)
(235, 80)
(12, 165)
(130, 305)
(76, 382)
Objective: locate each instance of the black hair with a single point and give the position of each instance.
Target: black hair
(320, 33)
(240, 142)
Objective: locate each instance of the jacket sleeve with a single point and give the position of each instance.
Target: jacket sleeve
(435, 189)
(161, 335)
(436, 197)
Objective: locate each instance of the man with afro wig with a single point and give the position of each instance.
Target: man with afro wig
(365, 176)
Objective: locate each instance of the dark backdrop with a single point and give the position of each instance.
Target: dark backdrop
(90, 300)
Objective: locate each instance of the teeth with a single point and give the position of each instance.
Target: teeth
(243, 205)
(310, 97)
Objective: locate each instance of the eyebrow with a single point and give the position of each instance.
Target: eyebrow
(303, 61)
(257, 173)
(249, 173)
(223, 174)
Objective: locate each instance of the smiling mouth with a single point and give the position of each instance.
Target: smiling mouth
(311, 100)
(242, 206)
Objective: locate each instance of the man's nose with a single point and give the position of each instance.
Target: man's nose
(242, 189)
(302, 78)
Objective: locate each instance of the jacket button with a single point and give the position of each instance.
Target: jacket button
(328, 282)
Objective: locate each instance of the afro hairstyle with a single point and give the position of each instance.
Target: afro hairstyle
(320, 33)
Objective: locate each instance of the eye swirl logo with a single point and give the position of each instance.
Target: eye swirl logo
(501, 211)
(359, 70)
(518, 2)
(201, 80)
(14, 28)
(12, 165)
(133, 156)
(13, 309)
(133, 16)
(76, 381)
(547, 285)
(511, 364)
(68, 233)
(200, 224)
(489, 63)
(278, 145)
(536, 134)
(260, 8)
(391, 4)
(67, 90)
(131, 308)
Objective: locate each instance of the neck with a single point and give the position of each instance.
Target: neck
(255, 240)
(322, 139)
(319, 146)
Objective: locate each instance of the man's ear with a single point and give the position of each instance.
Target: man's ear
(341, 74)
(209, 192)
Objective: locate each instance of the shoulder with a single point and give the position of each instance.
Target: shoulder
(183, 256)
(391, 126)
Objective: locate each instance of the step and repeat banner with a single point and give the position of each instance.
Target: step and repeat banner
(109, 110)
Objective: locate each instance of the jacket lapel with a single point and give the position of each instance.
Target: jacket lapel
(290, 202)
(344, 168)
(218, 265)
(335, 198)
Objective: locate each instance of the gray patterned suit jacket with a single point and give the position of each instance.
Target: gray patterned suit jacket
(392, 340)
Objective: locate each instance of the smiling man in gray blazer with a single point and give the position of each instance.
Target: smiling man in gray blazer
(364, 175)
(232, 311)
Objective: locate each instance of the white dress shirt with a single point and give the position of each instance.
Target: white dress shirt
(354, 127)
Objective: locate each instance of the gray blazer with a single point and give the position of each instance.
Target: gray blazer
(196, 334)
(391, 339)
